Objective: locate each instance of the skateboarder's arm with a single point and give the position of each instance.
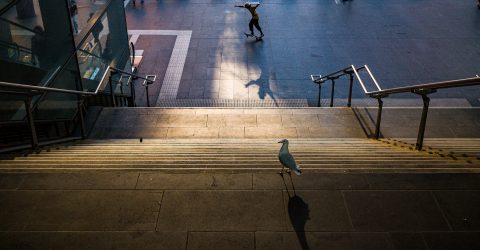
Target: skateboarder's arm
(240, 6)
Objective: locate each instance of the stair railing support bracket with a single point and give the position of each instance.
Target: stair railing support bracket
(423, 121)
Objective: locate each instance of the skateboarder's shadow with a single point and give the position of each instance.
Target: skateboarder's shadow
(263, 83)
(263, 88)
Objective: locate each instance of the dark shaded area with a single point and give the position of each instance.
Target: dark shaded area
(299, 213)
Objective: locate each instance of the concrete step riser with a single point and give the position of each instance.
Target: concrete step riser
(237, 156)
(230, 162)
(270, 157)
(247, 166)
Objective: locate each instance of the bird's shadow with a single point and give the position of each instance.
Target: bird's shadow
(299, 213)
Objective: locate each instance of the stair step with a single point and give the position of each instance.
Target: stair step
(250, 155)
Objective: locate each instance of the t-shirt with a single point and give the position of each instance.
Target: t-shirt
(253, 11)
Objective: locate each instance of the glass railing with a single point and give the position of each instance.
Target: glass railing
(12, 107)
(15, 53)
(28, 50)
(50, 55)
(4, 4)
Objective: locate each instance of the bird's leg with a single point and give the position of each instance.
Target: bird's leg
(281, 173)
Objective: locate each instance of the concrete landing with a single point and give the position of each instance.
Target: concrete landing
(166, 123)
(150, 210)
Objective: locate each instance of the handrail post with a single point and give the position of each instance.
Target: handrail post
(349, 103)
(333, 90)
(82, 118)
(31, 122)
(112, 95)
(423, 122)
(319, 104)
(379, 117)
(132, 91)
(148, 98)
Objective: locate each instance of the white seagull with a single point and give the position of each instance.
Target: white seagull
(287, 159)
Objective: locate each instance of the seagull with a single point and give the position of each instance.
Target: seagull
(287, 159)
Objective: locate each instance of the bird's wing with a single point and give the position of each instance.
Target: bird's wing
(287, 160)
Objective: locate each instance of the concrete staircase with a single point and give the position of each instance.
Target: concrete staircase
(246, 155)
(207, 179)
(243, 140)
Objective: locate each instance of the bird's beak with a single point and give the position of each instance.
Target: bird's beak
(280, 141)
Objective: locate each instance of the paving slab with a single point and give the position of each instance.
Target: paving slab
(319, 240)
(195, 181)
(452, 240)
(310, 181)
(232, 120)
(270, 121)
(94, 240)
(423, 181)
(232, 132)
(79, 181)
(221, 240)
(16, 211)
(206, 132)
(316, 211)
(300, 122)
(221, 211)
(306, 120)
(394, 211)
(461, 208)
(181, 132)
(79, 210)
(11, 181)
(182, 121)
(408, 241)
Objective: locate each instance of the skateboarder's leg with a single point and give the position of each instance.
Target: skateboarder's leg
(250, 25)
(257, 25)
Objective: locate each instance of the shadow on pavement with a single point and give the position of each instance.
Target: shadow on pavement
(299, 213)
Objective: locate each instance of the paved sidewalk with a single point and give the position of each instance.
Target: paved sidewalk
(403, 42)
(151, 210)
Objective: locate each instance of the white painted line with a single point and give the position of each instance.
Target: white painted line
(173, 75)
(174, 72)
(134, 39)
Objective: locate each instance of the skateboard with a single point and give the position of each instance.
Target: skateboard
(258, 38)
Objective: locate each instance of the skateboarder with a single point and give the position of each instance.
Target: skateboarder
(252, 7)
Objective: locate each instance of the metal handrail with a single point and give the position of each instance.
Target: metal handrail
(434, 85)
(46, 89)
(421, 89)
(129, 73)
(36, 90)
(8, 6)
